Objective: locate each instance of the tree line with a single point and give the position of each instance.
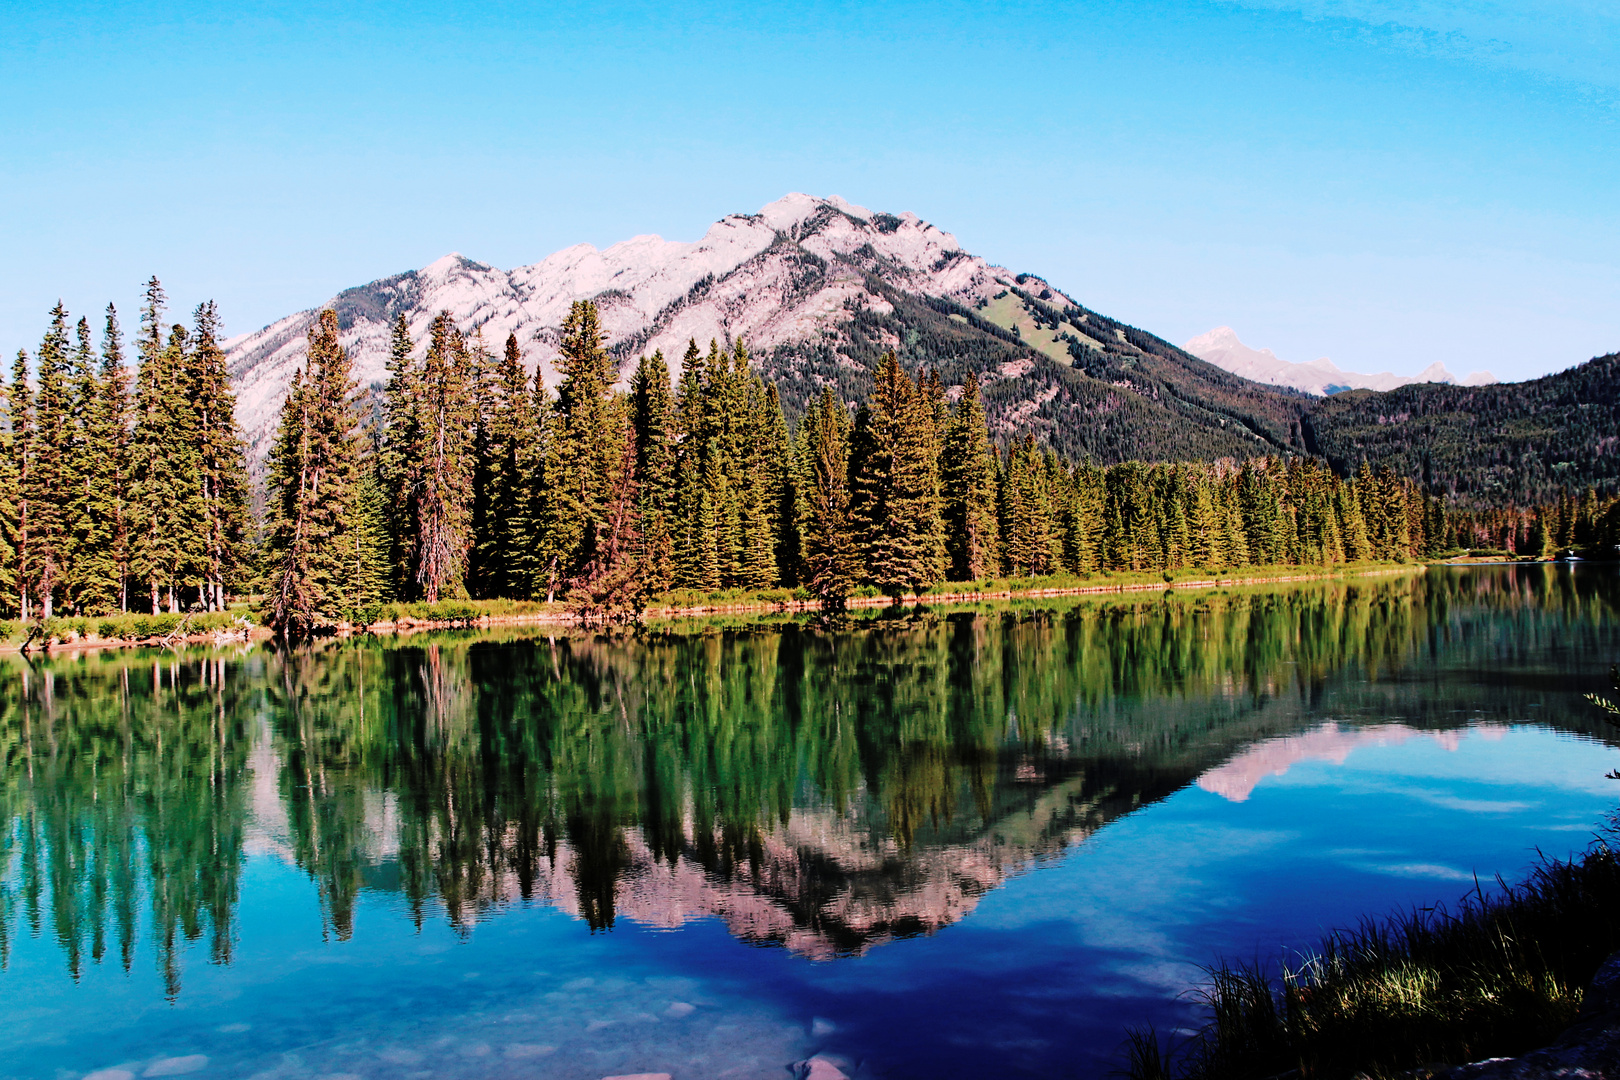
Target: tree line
(118, 497)
(476, 481)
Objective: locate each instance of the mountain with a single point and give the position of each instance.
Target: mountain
(1222, 348)
(818, 289)
(1525, 443)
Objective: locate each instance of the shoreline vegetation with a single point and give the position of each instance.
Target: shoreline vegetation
(1421, 993)
(1413, 994)
(135, 631)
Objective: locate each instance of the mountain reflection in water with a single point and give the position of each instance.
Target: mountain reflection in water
(822, 788)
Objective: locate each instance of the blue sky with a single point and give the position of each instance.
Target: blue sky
(1385, 184)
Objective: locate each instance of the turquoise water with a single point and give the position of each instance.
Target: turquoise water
(960, 842)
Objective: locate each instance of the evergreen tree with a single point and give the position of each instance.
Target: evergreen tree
(221, 465)
(400, 444)
(653, 417)
(437, 455)
(8, 500)
(109, 436)
(368, 573)
(313, 471)
(968, 489)
(829, 566)
(168, 541)
(694, 518)
(585, 462)
(504, 540)
(1025, 515)
(895, 486)
(21, 417)
(49, 489)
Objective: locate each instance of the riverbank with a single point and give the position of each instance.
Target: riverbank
(126, 631)
(1412, 995)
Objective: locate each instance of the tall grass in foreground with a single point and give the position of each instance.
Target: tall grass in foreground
(1500, 975)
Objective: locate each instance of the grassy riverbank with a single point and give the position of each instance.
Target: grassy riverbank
(1497, 976)
(132, 629)
(118, 628)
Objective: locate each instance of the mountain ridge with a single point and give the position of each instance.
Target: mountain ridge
(818, 288)
(1321, 377)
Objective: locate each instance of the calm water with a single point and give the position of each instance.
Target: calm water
(956, 843)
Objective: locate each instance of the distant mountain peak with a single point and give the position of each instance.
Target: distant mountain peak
(1223, 348)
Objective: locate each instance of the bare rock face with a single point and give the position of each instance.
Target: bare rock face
(1590, 1050)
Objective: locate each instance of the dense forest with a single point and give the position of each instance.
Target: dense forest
(473, 480)
(1523, 443)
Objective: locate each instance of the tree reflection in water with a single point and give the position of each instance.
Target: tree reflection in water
(823, 788)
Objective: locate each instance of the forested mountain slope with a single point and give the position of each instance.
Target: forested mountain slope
(1524, 443)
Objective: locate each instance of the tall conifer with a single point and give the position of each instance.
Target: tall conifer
(828, 558)
(221, 466)
(653, 417)
(21, 416)
(896, 486)
(49, 489)
(106, 550)
(968, 489)
(313, 471)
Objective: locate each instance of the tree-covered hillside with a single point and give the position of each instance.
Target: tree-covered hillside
(1117, 393)
(1522, 443)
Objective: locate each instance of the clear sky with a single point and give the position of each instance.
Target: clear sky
(1386, 184)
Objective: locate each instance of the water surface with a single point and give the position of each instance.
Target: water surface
(952, 842)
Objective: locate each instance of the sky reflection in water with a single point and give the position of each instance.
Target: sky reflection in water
(966, 843)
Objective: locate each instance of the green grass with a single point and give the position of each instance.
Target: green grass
(118, 627)
(1499, 975)
(452, 611)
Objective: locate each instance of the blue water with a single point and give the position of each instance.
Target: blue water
(1359, 788)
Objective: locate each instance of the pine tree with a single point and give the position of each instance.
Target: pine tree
(437, 454)
(168, 540)
(585, 461)
(1025, 516)
(8, 500)
(109, 436)
(968, 489)
(508, 470)
(221, 464)
(313, 471)
(22, 455)
(368, 570)
(653, 417)
(83, 592)
(693, 524)
(828, 558)
(399, 447)
(485, 562)
(895, 484)
(49, 489)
